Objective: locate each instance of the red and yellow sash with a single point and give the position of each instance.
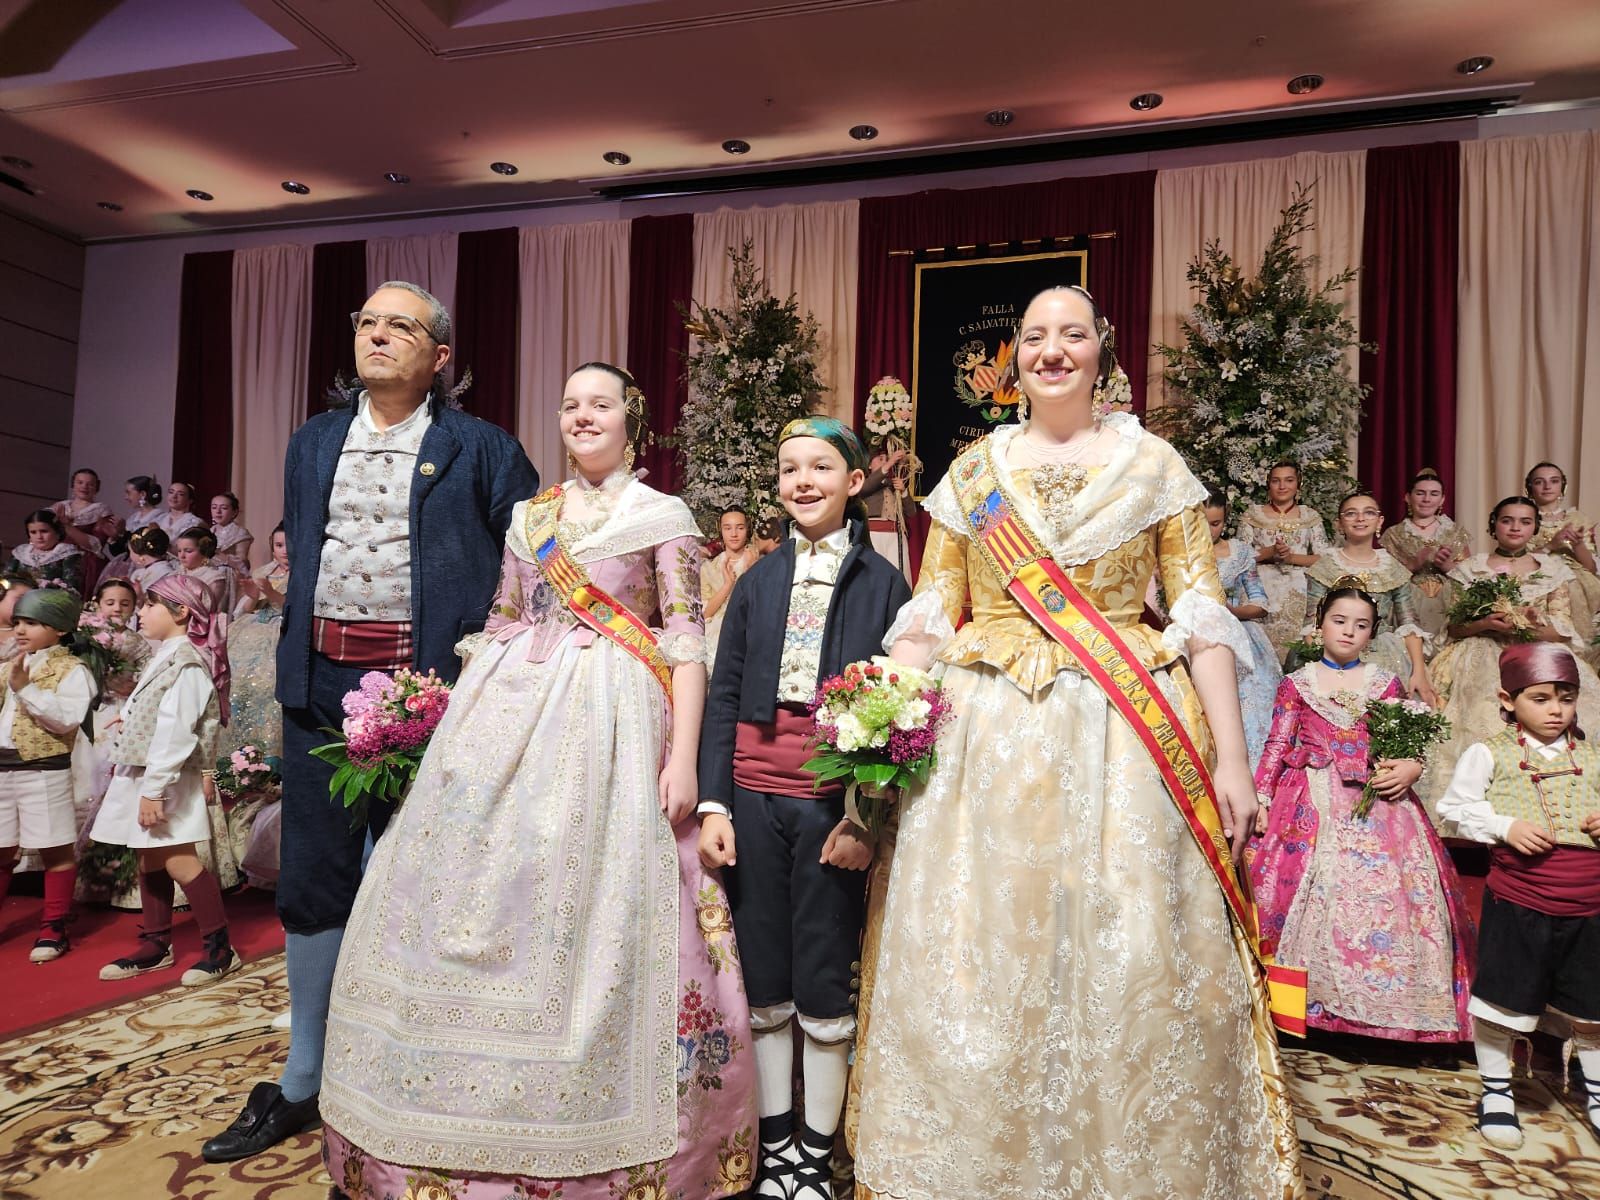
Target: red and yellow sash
(1036, 581)
(597, 609)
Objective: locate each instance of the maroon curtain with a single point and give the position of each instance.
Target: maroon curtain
(660, 277)
(1119, 267)
(488, 271)
(202, 426)
(338, 288)
(1408, 307)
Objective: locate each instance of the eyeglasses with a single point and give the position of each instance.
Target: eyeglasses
(407, 329)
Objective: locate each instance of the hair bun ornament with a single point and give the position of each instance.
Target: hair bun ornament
(1349, 581)
(1427, 473)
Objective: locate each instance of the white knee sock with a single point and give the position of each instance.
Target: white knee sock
(774, 1070)
(1493, 1045)
(1589, 1060)
(826, 1068)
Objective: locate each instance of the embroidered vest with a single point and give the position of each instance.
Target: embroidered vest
(1567, 798)
(132, 747)
(33, 741)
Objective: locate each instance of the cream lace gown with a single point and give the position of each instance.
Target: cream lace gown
(1285, 584)
(1059, 1005)
(1466, 672)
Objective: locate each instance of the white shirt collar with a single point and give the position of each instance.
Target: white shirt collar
(1548, 749)
(836, 542)
(419, 416)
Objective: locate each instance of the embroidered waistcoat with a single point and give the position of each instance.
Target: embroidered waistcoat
(132, 747)
(33, 741)
(1567, 798)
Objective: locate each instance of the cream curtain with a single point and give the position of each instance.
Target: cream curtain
(1239, 204)
(574, 308)
(271, 352)
(1528, 344)
(806, 249)
(425, 259)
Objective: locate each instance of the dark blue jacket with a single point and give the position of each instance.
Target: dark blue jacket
(459, 514)
(867, 596)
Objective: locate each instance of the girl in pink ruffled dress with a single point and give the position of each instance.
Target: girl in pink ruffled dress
(1371, 905)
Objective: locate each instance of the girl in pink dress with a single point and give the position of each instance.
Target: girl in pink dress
(538, 993)
(1370, 906)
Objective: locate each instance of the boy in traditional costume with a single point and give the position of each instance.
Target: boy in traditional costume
(822, 600)
(1533, 791)
(49, 692)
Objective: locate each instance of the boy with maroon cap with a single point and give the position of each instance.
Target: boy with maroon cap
(1533, 791)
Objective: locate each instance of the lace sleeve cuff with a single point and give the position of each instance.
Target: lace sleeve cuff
(681, 648)
(923, 620)
(1197, 621)
(1410, 630)
(471, 644)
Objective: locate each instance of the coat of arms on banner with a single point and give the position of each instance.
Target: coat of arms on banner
(979, 380)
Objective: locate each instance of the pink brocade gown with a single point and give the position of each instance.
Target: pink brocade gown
(539, 992)
(1370, 906)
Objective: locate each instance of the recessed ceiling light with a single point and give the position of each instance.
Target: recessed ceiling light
(197, 194)
(503, 168)
(617, 158)
(1475, 65)
(863, 133)
(1145, 101)
(397, 177)
(1304, 85)
(108, 205)
(999, 117)
(736, 146)
(299, 189)
(17, 161)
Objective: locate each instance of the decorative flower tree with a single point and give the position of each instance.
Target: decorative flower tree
(1262, 372)
(753, 370)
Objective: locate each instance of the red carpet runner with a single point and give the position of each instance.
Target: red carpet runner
(37, 996)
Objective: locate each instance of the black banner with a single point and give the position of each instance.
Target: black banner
(965, 319)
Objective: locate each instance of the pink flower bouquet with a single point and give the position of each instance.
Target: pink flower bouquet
(388, 722)
(877, 724)
(247, 770)
(122, 652)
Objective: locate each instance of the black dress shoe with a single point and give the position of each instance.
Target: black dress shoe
(266, 1120)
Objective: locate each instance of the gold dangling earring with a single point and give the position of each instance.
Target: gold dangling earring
(572, 465)
(628, 459)
(1022, 407)
(1099, 406)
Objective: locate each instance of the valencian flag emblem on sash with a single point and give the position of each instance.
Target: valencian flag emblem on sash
(596, 608)
(1036, 581)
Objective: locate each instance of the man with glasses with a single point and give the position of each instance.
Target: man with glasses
(396, 510)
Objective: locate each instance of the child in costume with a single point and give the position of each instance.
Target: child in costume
(1533, 792)
(822, 600)
(1370, 905)
(1247, 600)
(48, 694)
(156, 800)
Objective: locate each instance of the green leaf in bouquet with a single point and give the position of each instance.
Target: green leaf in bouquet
(334, 754)
(879, 774)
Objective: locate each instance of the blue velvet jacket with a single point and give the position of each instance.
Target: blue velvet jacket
(867, 596)
(459, 514)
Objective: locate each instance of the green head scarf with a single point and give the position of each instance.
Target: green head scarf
(55, 607)
(833, 431)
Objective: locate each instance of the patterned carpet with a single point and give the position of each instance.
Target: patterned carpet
(116, 1104)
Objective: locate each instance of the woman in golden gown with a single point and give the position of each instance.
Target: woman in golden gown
(1057, 1003)
(1566, 532)
(1428, 544)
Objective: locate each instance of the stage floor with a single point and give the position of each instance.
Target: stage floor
(117, 1102)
